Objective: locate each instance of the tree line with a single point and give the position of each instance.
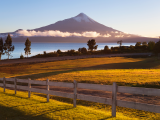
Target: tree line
(92, 49)
(7, 47)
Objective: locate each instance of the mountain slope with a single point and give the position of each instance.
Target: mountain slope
(80, 23)
(76, 29)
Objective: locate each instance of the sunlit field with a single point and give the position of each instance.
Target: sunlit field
(143, 72)
(138, 72)
(20, 107)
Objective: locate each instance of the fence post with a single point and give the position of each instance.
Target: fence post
(75, 93)
(47, 89)
(15, 85)
(114, 102)
(29, 86)
(4, 84)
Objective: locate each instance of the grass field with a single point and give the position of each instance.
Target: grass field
(143, 72)
(20, 107)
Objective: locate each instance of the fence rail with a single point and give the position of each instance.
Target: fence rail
(111, 101)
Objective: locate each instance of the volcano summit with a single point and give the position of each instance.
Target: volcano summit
(80, 28)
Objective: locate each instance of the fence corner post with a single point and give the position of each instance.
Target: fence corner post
(15, 85)
(47, 83)
(4, 84)
(29, 86)
(114, 97)
(75, 93)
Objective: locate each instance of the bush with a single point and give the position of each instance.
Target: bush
(71, 52)
(44, 52)
(106, 48)
(107, 51)
(53, 54)
(21, 57)
(59, 51)
(82, 50)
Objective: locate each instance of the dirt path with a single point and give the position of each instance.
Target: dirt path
(49, 59)
(120, 96)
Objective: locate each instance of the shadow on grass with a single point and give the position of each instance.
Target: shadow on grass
(41, 75)
(149, 63)
(16, 96)
(13, 114)
(145, 64)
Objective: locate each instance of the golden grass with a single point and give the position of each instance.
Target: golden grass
(20, 107)
(125, 71)
(143, 72)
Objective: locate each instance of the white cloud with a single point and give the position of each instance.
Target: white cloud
(45, 33)
(119, 36)
(108, 35)
(57, 33)
(152, 36)
(125, 32)
(115, 32)
(91, 34)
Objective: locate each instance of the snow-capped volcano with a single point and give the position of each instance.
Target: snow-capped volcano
(79, 24)
(83, 17)
(80, 27)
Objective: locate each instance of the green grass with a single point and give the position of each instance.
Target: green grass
(138, 72)
(20, 107)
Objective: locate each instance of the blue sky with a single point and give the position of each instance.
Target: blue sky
(140, 17)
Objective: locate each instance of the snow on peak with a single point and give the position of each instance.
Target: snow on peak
(83, 17)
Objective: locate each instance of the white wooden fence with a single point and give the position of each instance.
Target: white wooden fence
(111, 101)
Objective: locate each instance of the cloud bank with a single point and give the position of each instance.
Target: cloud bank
(57, 33)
